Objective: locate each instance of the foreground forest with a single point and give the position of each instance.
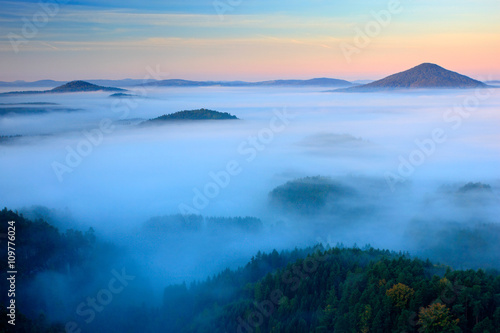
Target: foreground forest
(314, 289)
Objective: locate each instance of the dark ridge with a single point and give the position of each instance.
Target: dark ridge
(29, 103)
(33, 109)
(309, 194)
(324, 82)
(199, 114)
(474, 187)
(121, 95)
(24, 84)
(7, 138)
(73, 86)
(82, 86)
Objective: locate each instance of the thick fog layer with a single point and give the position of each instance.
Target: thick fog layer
(407, 156)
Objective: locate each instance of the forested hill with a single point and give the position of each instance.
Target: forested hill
(40, 249)
(308, 290)
(338, 290)
(199, 114)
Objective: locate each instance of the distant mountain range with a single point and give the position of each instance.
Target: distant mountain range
(37, 84)
(425, 75)
(362, 81)
(32, 108)
(73, 86)
(52, 83)
(318, 82)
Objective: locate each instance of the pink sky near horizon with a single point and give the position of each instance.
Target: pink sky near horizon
(372, 65)
(256, 47)
(290, 63)
(261, 59)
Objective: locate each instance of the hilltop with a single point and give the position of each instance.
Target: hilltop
(82, 86)
(425, 75)
(73, 86)
(199, 114)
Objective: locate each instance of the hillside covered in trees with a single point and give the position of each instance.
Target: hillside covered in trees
(338, 290)
(314, 289)
(199, 114)
(309, 194)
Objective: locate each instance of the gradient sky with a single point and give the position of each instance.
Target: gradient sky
(252, 40)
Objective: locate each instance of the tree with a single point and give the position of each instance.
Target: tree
(436, 318)
(400, 294)
(364, 319)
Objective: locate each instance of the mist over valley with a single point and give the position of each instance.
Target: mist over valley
(157, 207)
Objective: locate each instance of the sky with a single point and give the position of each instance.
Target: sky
(245, 39)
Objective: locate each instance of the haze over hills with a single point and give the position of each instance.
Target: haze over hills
(53, 83)
(425, 75)
(73, 86)
(80, 86)
(122, 95)
(320, 82)
(324, 82)
(24, 84)
(32, 108)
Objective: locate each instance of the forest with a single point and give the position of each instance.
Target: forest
(198, 114)
(311, 289)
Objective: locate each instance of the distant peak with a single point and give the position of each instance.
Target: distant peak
(80, 82)
(428, 65)
(80, 86)
(425, 75)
